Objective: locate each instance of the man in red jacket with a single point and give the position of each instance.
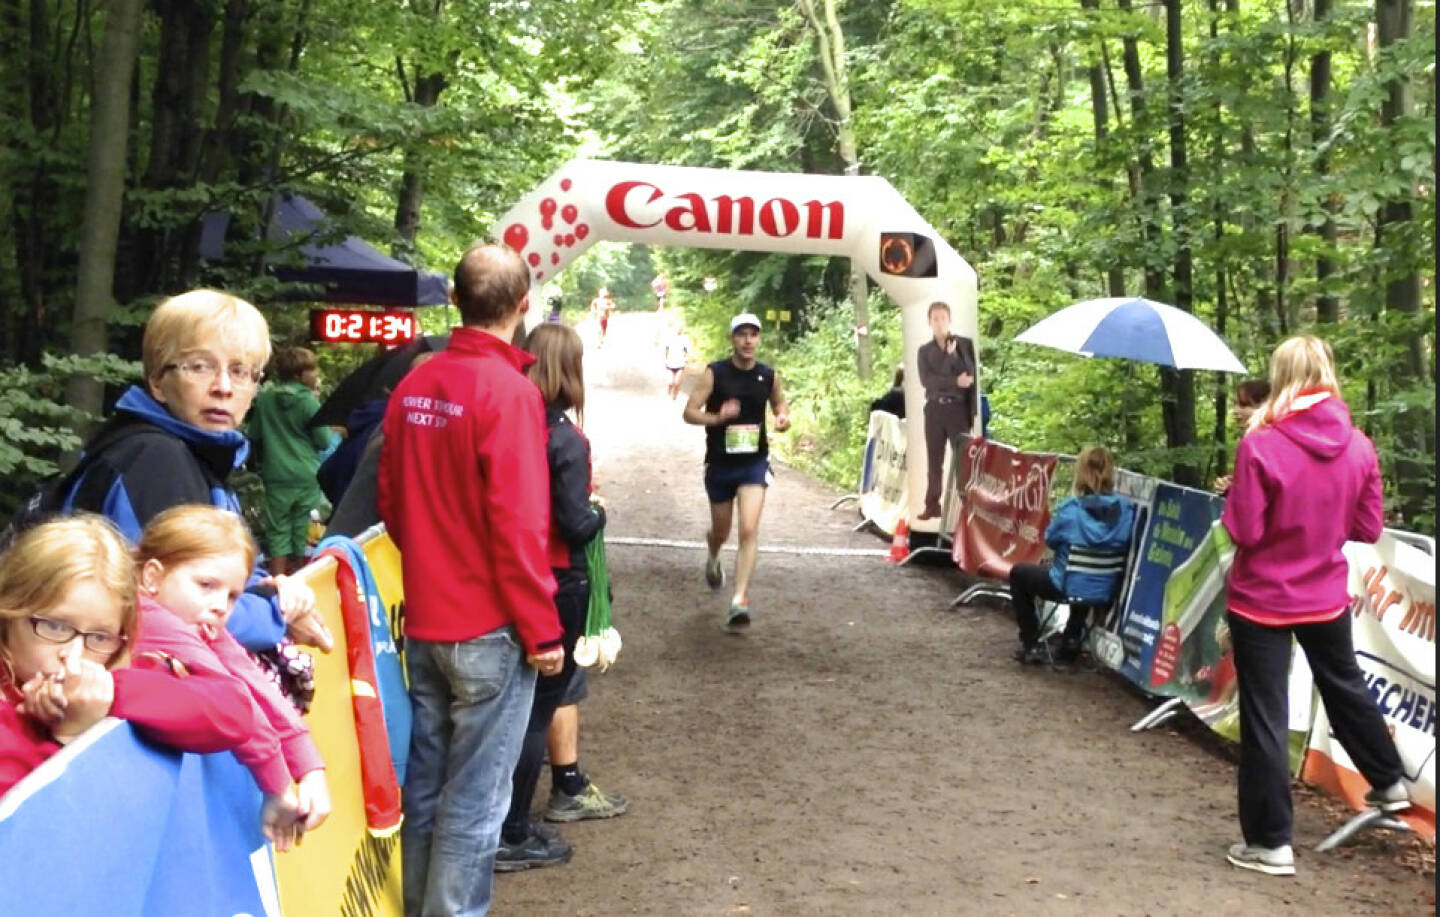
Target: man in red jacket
(464, 491)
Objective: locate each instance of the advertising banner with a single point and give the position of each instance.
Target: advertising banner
(115, 825)
(343, 867)
(1004, 498)
(1180, 522)
(884, 495)
(1392, 606)
(859, 217)
(1138, 487)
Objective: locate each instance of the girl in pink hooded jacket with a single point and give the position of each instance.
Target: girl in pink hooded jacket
(1306, 481)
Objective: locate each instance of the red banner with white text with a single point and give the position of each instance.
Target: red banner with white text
(1004, 499)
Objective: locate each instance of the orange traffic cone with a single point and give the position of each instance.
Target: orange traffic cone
(899, 543)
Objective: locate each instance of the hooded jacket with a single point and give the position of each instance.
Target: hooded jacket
(1099, 522)
(289, 450)
(138, 477)
(276, 744)
(1302, 488)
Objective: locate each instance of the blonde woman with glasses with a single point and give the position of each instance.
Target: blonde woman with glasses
(175, 439)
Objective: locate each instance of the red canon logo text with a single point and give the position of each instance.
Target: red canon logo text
(641, 205)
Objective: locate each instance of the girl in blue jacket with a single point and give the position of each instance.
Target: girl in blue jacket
(1093, 522)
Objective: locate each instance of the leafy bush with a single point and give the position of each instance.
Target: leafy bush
(37, 429)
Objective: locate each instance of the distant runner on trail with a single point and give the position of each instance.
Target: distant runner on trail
(677, 354)
(661, 287)
(729, 401)
(600, 308)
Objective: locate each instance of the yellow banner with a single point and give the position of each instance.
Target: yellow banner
(340, 868)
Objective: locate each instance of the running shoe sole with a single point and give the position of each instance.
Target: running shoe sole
(522, 865)
(737, 621)
(1388, 806)
(1269, 869)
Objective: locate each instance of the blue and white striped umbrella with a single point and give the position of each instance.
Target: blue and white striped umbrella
(1134, 328)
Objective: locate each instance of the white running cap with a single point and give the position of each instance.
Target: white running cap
(743, 319)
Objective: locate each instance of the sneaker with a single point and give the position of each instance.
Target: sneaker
(539, 849)
(1066, 651)
(714, 573)
(1034, 654)
(592, 802)
(737, 618)
(1273, 861)
(1394, 798)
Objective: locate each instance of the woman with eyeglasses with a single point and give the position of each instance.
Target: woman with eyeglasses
(68, 612)
(175, 439)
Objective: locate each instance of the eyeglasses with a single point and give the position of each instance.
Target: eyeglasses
(207, 369)
(96, 641)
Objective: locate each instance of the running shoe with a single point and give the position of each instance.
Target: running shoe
(714, 573)
(1273, 861)
(738, 618)
(592, 802)
(541, 848)
(1394, 798)
(1034, 654)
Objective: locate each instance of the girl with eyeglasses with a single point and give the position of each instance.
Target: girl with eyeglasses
(68, 622)
(193, 564)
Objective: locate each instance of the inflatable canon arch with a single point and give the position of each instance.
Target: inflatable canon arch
(859, 217)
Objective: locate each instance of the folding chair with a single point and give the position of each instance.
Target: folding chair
(1084, 560)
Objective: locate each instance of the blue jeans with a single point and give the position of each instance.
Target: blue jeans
(470, 703)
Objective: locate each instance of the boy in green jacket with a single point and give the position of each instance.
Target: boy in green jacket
(288, 455)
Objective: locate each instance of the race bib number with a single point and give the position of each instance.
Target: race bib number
(742, 438)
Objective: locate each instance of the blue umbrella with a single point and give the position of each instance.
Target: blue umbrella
(1134, 328)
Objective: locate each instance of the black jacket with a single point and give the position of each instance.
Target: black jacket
(939, 371)
(892, 402)
(574, 521)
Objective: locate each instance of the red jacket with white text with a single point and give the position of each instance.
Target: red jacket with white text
(464, 492)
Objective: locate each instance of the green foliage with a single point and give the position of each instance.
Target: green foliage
(979, 112)
(829, 405)
(625, 270)
(37, 428)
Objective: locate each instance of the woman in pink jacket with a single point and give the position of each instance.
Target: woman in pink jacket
(1306, 481)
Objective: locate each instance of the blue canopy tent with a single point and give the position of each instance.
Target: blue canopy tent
(348, 271)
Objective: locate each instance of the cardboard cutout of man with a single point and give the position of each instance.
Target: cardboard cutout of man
(947, 373)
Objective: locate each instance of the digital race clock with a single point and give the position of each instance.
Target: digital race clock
(358, 326)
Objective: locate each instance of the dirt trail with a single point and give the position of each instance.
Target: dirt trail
(865, 751)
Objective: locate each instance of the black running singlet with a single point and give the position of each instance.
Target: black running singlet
(741, 439)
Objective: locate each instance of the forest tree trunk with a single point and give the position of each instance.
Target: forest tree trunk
(831, 41)
(104, 196)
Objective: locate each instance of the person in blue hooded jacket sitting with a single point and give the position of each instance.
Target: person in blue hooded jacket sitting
(175, 439)
(1089, 534)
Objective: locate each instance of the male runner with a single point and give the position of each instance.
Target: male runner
(729, 402)
(660, 286)
(601, 307)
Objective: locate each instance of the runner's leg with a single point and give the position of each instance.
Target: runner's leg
(751, 498)
(720, 516)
